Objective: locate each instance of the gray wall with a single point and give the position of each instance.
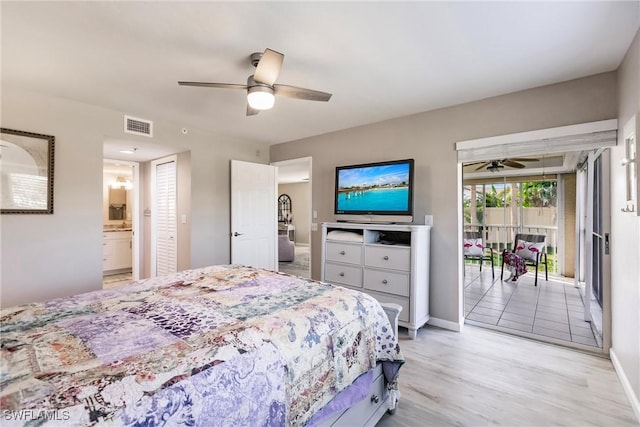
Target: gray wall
(625, 233)
(48, 256)
(430, 139)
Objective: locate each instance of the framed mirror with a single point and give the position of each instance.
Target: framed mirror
(26, 165)
(284, 208)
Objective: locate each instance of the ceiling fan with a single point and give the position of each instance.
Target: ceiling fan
(496, 165)
(261, 87)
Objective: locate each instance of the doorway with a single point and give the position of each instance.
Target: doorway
(120, 209)
(560, 304)
(294, 216)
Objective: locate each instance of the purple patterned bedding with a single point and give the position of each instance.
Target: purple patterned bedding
(221, 345)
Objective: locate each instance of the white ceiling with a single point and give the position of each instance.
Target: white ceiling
(380, 60)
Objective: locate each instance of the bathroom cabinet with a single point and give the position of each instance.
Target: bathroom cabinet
(116, 254)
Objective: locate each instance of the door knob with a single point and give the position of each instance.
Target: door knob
(236, 234)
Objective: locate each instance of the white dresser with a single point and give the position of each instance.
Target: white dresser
(389, 262)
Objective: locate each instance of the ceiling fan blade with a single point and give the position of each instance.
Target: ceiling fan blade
(268, 67)
(251, 111)
(509, 162)
(483, 165)
(215, 85)
(301, 93)
(473, 163)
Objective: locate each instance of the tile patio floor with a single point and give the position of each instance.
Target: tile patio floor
(552, 311)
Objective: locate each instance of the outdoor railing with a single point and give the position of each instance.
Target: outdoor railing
(501, 236)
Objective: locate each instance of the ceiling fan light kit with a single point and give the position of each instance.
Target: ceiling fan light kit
(260, 97)
(261, 88)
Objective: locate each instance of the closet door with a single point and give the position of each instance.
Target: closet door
(164, 215)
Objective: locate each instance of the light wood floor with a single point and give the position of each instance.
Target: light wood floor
(479, 377)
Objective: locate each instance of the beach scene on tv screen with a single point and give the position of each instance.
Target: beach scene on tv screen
(374, 189)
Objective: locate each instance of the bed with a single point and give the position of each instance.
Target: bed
(221, 345)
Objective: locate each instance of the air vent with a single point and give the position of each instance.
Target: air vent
(138, 126)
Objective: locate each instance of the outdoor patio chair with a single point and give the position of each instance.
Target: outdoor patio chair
(532, 249)
(473, 248)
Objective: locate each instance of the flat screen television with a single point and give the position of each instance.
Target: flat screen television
(375, 192)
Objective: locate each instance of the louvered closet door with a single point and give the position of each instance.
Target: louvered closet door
(165, 218)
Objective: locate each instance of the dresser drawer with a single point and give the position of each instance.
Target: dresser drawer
(344, 274)
(392, 282)
(393, 257)
(344, 252)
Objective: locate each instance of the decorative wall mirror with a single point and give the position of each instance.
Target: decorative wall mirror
(26, 163)
(284, 208)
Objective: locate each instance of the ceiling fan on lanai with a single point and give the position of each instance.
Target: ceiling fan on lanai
(496, 165)
(261, 87)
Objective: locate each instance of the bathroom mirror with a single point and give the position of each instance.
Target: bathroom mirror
(117, 203)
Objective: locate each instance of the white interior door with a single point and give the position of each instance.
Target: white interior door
(164, 217)
(254, 214)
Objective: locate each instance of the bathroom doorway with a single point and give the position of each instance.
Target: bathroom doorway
(120, 253)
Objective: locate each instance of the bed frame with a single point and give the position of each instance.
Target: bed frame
(379, 399)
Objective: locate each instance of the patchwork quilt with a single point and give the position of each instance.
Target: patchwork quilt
(216, 346)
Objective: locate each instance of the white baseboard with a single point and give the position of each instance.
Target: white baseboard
(626, 385)
(445, 324)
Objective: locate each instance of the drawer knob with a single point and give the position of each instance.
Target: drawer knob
(386, 258)
(384, 282)
(341, 274)
(375, 399)
(342, 252)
